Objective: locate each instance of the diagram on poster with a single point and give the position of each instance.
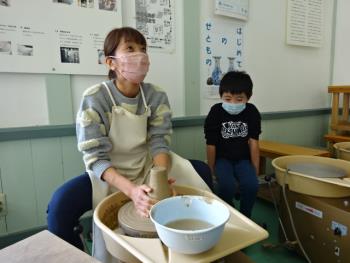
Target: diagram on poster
(156, 20)
(221, 52)
(63, 44)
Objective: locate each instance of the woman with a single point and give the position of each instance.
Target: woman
(123, 129)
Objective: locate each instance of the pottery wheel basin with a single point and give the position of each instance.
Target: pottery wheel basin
(313, 175)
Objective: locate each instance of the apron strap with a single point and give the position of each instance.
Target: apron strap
(113, 101)
(143, 99)
(109, 93)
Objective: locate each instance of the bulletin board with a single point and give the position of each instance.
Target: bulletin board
(56, 36)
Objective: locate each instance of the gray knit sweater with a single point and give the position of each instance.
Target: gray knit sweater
(94, 117)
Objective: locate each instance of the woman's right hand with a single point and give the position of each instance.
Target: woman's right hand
(137, 193)
(141, 200)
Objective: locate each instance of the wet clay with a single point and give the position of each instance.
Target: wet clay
(130, 221)
(189, 224)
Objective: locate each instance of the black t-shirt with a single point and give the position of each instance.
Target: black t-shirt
(230, 133)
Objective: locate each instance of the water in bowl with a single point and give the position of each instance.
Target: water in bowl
(188, 224)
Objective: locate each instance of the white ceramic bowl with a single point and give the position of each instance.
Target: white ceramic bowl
(202, 222)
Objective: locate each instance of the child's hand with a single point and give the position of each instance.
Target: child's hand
(141, 200)
(214, 178)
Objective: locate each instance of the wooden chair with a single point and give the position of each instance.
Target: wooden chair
(339, 124)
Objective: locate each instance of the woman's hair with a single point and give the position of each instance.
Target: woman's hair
(114, 38)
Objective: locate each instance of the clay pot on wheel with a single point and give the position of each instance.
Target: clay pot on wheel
(136, 225)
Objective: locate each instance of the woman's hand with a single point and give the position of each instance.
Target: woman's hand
(141, 200)
(137, 193)
(171, 181)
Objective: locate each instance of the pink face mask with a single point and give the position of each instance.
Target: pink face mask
(133, 66)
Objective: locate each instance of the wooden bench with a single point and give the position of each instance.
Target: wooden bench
(271, 150)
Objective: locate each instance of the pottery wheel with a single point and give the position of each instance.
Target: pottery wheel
(317, 170)
(347, 149)
(135, 225)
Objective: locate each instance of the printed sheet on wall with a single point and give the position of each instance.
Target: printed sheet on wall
(221, 52)
(56, 36)
(156, 20)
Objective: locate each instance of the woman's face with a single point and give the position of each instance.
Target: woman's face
(125, 47)
(130, 62)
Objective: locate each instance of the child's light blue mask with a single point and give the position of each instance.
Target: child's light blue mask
(233, 108)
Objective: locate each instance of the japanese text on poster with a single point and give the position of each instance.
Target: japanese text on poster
(221, 52)
(305, 22)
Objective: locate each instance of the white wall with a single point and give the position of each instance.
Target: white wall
(285, 77)
(341, 72)
(22, 100)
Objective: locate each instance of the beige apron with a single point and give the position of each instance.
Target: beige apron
(130, 156)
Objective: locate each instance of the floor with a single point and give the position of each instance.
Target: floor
(265, 214)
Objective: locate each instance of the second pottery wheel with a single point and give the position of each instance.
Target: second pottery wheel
(130, 221)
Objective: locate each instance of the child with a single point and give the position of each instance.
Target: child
(232, 131)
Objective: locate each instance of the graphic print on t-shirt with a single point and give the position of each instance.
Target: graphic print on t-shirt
(233, 129)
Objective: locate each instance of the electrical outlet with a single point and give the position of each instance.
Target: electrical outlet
(3, 207)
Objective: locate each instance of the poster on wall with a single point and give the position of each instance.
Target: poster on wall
(232, 8)
(221, 52)
(156, 20)
(56, 36)
(305, 22)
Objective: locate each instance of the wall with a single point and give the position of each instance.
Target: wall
(341, 74)
(20, 94)
(285, 77)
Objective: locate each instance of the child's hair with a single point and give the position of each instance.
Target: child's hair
(236, 82)
(114, 38)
